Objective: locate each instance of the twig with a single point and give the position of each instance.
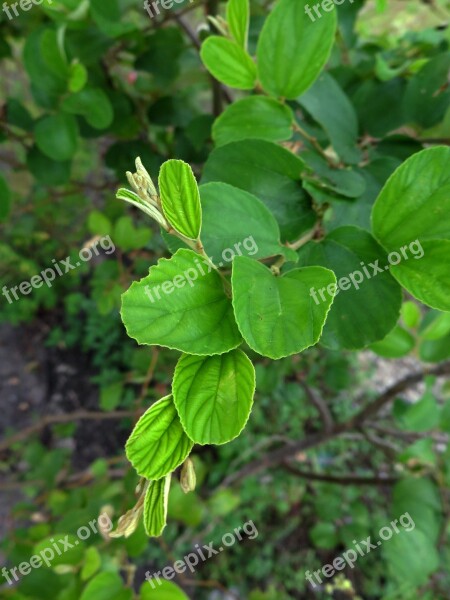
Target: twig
(82, 415)
(341, 479)
(355, 422)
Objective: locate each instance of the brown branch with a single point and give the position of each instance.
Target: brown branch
(341, 479)
(320, 406)
(355, 422)
(82, 415)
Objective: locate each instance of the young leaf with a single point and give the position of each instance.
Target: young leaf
(292, 49)
(214, 395)
(155, 506)
(277, 316)
(238, 18)
(229, 63)
(182, 305)
(158, 444)
(180, 198)
(254, 117)
(414, 208)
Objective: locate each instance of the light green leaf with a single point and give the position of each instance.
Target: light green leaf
(57, 136)
(214, 395)
(277, 316)
(338, 117)
(355, 319)
(269, 172)
(78, 77)
(182, 306)
(229, 63)
(396, 344)
(155, 506)
(92, 563)
(180, 198)
(238, 18)
(106, 586)
(411, 314)
(254, 117)
(292, 49)
(158, 444)
(438, 328)
(72, 556)
(163, 590)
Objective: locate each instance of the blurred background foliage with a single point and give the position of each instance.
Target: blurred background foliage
(85, 87)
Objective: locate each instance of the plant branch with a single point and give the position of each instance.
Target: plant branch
(349, 479)
(355, 422)
(82, 415)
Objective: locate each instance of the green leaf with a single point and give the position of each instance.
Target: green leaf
(427, 95)
(46, 170)
(78, 77)
(277, 315)
(128, 237)
(105, 586)
(93, 104)
(158, 444)
(228, 62)
(338, 117)
(155, 506)
(238, 18)
(214, 395)
(396, 344)
(254, 117)
(419, 416)
(164, 590)
(99, 224)
(184, 307)
(411, 314)
(292, 49)
(411, 557)
(5, 199)
(57, 136)
(324, 536)
(92, 563)
(438, 328)
(415, 201)
(355, 319)
(245, 228)
(72, 556)
(270, 173)
(180, 198)
(426, 277)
